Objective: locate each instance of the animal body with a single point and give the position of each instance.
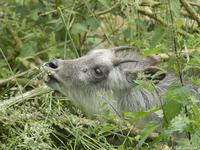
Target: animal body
(86, 80)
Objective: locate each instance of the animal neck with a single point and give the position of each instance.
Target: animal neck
(135, 100)
(131, 99)
(89, 100)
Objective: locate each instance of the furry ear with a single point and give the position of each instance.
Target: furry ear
(152, 60)
(152, 73)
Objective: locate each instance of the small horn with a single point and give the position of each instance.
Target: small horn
(117, 62)
(120, 48)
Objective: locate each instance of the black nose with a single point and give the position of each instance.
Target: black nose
(52, 64)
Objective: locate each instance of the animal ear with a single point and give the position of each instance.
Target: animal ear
(152, 73)
(152, 60)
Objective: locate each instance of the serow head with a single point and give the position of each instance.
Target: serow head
(101, 68)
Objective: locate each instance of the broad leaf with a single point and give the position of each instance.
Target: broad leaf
(178, 93)
(78, 28)
(150, 127)
(143, 84)
(140, 114)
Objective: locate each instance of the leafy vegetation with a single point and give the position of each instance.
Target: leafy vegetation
(34, 31)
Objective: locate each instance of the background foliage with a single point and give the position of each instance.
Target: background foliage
(35, 31)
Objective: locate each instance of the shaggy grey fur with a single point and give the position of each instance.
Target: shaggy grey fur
(86, 80)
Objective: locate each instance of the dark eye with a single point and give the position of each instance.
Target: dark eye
(98, 71)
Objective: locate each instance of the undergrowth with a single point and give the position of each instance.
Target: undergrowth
(34, 31)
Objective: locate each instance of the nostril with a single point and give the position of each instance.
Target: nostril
(52, 64)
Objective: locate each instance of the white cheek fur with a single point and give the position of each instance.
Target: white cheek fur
(117, 79)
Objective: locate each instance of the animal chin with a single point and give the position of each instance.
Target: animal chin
(50, 79)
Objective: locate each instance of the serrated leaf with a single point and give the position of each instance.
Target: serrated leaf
(176, 96)
(150, 127)
(141, 114)
(179, 123)
(178, 93)
(143, 84)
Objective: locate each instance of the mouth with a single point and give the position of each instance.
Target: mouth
(49, 76)
(49, 79)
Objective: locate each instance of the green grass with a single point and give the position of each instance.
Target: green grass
(33, 116)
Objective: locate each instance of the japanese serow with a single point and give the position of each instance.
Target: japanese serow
(87, 80)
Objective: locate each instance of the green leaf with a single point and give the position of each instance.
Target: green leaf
(196, 81)
(120, 147)
(104, 110)
(141, 114)
(178, 93)
(78, 28)
(195, 60)
(195, 110)
(150, 127)
(152, 51)
(179, 123)
(176, 96)
(171, 109)
(157, 37)
(196, 139)
(143, 84)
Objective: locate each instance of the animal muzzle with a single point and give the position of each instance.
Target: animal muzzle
(50, 68)
(52, 64)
